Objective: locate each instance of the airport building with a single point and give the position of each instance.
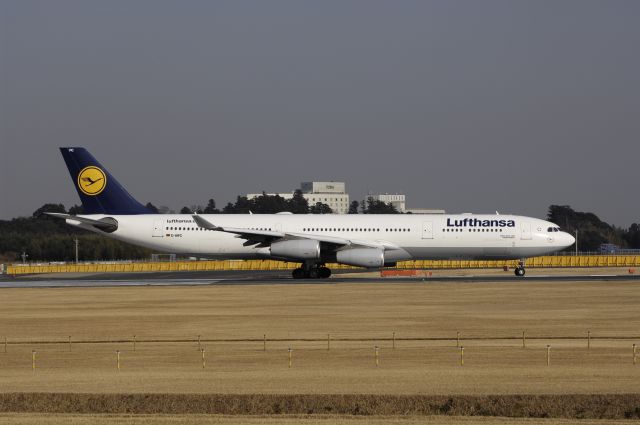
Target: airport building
(396, 199)
(331, 193)
(335, 195)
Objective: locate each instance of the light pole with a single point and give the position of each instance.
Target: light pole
(576, 242)
(76, 240)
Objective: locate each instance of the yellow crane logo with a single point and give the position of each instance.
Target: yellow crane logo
(92, 180)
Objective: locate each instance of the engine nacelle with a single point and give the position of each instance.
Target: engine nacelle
(362, 257)
(296, 249)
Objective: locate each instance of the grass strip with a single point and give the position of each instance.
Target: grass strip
(573, 406)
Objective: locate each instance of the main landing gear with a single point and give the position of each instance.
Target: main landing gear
(311, 271)
(519, 271)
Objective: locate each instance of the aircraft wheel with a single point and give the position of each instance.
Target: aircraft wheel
(314, 273)
(324, 272)
(519, 271)
(298, 273)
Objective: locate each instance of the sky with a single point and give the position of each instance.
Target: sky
(467, 106)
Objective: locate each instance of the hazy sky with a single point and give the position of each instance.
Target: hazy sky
(469, 106)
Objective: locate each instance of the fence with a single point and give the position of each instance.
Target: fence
(608, 349)
(545, 261)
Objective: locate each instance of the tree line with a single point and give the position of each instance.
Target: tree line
(593, 232)
(272, 204)
(45, 238)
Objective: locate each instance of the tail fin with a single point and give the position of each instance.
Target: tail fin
(99, 191)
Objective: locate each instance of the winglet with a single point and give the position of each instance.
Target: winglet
(205, 223)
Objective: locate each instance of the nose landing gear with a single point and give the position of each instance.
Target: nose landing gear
(519, 271)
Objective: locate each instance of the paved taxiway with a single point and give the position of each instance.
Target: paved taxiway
(269, 278)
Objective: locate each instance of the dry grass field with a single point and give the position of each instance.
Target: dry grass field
(38, 419)
(232, 320)
(368, 311)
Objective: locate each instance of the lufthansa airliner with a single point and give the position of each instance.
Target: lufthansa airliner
(371, 240)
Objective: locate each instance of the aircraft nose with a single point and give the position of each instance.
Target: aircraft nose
(570, 240)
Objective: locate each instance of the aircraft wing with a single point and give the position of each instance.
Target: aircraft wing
(204, 223)
(265, 237)
(253, 237)
(341, 241)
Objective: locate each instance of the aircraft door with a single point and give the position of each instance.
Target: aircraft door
(525, 230)
(158, 228)
(427, 230)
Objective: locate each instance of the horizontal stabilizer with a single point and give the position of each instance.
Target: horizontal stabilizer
(107, 224)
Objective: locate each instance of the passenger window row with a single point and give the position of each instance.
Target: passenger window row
(306, 229)
(333, 229)
(201, 228)
(186, 228)
(472, 230)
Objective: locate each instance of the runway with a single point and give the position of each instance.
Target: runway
(274, 278)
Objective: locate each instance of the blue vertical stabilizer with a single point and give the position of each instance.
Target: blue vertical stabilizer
(99, 191)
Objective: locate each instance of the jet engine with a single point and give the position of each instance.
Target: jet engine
(362, 257)
(298, 249)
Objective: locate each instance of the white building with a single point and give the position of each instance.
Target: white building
(333, 194)
(396, 199)
(330, 193)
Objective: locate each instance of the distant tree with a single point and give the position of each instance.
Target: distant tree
(241, 206)
(353, 207)
(320, 208)
(55, 208)
(229, 208)
(185, 210)
(592, 232)
(375, 206)
(298, 204)
(163, 209)
(51, 239)
(269, 204)
(211, 207)
(632, 236)
(152, 208)
(76, 209)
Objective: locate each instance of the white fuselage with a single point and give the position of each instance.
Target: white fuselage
(406, 236)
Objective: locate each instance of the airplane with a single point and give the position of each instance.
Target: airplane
(369, 240)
